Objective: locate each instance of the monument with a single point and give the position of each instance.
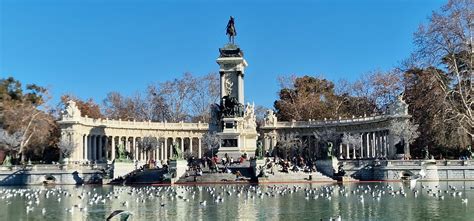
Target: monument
(236, 125)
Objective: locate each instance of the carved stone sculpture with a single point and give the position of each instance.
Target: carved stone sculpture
(399, 107)
(270, 117)
(70, 111)
(249, 116)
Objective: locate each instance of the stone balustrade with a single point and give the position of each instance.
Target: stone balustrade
(93, 122)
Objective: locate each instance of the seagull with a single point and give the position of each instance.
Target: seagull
(464, 201)
(124, 215)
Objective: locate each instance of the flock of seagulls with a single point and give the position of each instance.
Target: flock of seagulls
(127, 199)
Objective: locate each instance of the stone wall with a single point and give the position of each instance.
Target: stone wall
(393, 169)
(36, 175)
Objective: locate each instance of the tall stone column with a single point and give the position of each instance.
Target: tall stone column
(241, 88)
(85, 157)
(353, 151)
(182, 145)
(143, 155)
(376, 144)
(113, 149)
(368, 145)
(135, 149)
(361, 145)
(341, 154)
(166, 149)
(199, 148)
(348, 156)
(373, 144)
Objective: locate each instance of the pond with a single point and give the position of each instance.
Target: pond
(353, 201)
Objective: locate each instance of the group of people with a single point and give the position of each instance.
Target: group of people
(296, 164)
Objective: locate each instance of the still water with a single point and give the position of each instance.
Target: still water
(355, 201)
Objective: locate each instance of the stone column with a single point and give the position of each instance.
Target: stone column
(199, 148)
(135, 149)
(241, 88)
(348, 156)
(166, 149)
(353, 151)
(368, 145)
(376, 144)
(373, 144)
(113, 148)
(143, 155)
(222, 75)
(266, 142)
(191, 145)
(85, 157)
(340, 151)
(361, 145)
(385, 144)
(182, 145)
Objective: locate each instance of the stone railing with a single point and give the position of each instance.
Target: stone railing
(328, 122)
(93, 122)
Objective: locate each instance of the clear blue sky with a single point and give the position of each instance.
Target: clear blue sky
(92, 47)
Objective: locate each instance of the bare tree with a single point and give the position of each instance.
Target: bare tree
(289, 145)
(66, 147)
(405, 131)
(326, 135)
(148, 145)
(447, 43)
(176, 94)
(11, 142)
(34, 125)
(211, 140)
(204, 92)
(352, 140)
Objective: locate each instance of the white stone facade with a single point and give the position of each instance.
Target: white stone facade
(97, 140)
(376, 139)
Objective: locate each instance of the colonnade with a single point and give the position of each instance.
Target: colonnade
(373, 144)
(100, 148)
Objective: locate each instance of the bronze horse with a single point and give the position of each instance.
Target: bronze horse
(231, 32)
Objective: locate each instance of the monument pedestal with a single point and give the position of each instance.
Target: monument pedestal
(237, 125)
(236, 140)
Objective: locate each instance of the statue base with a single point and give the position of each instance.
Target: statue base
(235, 140)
